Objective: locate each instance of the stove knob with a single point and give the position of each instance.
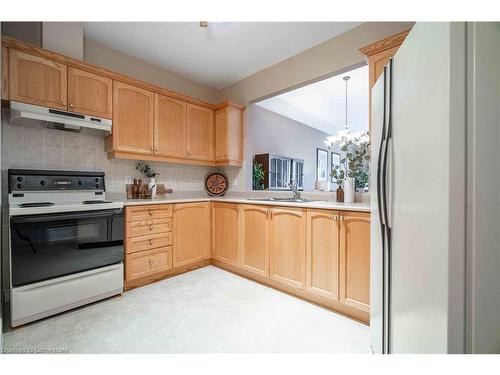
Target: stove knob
(43, 182)
(19, 186)
(80, 183)
(97, 186)
(19, 179)
(97, 179)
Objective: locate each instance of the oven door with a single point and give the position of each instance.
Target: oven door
(53, 245)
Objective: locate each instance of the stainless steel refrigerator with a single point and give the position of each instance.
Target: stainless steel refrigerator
(424, 195)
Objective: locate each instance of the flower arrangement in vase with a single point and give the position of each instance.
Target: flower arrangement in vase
(147, 171)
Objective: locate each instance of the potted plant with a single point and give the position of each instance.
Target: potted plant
(357, 151)
(339, 176)
(147, 171)
(257, 176)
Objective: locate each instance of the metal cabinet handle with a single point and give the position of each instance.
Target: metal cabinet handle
(150, 242)
(150, 213)
(71, 105)
(150, 226)
(63, 103)
(335, 217)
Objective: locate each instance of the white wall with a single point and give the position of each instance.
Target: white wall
(270, 132)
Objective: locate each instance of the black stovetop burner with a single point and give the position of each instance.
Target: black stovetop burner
(36, 204)
(96, 201)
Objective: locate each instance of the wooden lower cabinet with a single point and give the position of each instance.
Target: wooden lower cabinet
(322, 274)
(191, 233)
(255, 238)
(355, 260)
(148, 241)
(145, 263)
(225, 232)
(288, 246)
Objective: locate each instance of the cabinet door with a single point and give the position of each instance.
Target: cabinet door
(90, 93)
(191, 233)
(225, 217)
(322, 273)
(170, 127)
(36, 80)
(132, 119)
(355, 259)
(200, 133)
(288, 247)
(255, 238)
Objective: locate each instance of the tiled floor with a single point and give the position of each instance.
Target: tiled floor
(207, 310)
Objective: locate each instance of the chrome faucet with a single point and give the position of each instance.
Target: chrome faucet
(294, 189)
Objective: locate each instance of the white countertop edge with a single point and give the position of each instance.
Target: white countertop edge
(326, 205)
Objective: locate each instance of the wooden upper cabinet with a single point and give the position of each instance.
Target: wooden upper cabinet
(288, 246)
(36, 80)
(170, 127)
(377, 62)
(200, 133)
(225, 233)
(378, 55)
(229, 135)
(90, 93)
(133, 112)
(255, 238)
(191, 233)
(355, 260)
(322, 273)
(380, 52)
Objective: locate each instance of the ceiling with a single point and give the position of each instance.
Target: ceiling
(321, 105)
(219, 55)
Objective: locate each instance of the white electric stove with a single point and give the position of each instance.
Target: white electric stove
(66, 242)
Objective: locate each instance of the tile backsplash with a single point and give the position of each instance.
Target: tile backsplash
(33, 146)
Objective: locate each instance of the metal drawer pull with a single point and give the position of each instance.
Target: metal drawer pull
(150, 213)
(150, 227)
(150, 242)
(335, 217)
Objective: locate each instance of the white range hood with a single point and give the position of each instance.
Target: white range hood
(64, 119)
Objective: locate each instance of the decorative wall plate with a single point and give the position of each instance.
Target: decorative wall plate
(216, 184)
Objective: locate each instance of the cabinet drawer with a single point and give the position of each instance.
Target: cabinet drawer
(145, 227)
(147, 212)
(147, 263)
(135, 244)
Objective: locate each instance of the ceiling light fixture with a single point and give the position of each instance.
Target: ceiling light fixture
(203, 23)
(344, 136)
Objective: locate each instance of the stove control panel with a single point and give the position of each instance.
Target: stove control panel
(21, 180)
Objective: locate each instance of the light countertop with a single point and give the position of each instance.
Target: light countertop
(324, 200)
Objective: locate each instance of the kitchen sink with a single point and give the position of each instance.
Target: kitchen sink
(285, 200)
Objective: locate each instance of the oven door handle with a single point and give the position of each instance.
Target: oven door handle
(65, 216)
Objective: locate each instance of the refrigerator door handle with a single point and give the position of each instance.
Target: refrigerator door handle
(389, 182)
(380, 184)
